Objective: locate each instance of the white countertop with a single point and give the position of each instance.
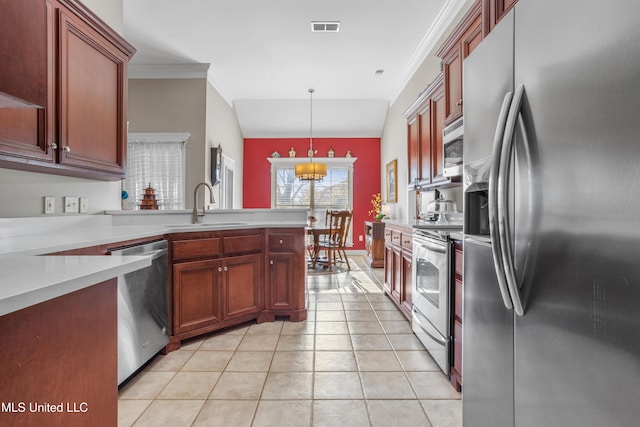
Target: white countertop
(30, 280)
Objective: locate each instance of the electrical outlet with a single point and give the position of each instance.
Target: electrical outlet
(84, 204)
(361, 237)
(70, 204)
(49, 204)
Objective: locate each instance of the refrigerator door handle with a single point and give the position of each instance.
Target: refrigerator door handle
(496, 248)
(503, 208)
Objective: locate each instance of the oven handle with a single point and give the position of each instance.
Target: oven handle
(496, 248)
(425, 329)
(435, 247)
(503, 197)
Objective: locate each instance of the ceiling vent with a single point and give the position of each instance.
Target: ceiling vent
(325, 26)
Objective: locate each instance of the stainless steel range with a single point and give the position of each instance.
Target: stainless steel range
(432, 288)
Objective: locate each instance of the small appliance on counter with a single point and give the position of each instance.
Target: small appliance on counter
(440, 211)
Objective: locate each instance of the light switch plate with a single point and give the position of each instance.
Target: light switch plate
(84, 204)
(49, 205)
(70, 204)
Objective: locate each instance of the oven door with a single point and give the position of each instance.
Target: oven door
(431, 287)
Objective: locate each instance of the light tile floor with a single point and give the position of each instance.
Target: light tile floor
(354, 362)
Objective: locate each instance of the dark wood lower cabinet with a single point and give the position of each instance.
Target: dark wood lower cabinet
(374, 243)
(62, 352)
(196, 295)
(397, 266)
(219, 279)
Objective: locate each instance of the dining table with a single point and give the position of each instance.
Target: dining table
(316, 231)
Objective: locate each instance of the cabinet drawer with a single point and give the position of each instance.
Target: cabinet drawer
(236, 245)
(197, 248)
(281, 242)
(407, 241)
(387, 235)
(396, 237)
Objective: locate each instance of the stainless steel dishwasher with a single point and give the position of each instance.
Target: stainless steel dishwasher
(143, 308)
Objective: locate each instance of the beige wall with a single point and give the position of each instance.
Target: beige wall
(173, 105)
(22, 192)
(110, 11)
(223, 128)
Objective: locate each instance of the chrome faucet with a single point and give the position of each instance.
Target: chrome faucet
(196, 215)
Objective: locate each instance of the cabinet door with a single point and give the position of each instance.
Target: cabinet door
(472, 37)
(407, 282)
(93, 80)
(425, 142)
(281, 292)
(196, 295)
(413, 151)
(388, 266)
(452, 66)
(494, 10)
(243, 282)
(24, 50)
(396, 279)
(27, 134)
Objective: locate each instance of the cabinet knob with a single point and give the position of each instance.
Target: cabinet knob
(53, 146)
(220, 269)
(281, 241)
(67, 148)
(226, 268)
(271, 262)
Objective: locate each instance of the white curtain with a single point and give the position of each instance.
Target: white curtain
(159, 162)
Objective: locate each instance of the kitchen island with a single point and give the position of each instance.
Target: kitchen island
(58, 325)
(67, 302)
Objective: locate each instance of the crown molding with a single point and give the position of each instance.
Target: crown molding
(168, 71)
(178, 71)
(440, 24)
(329, 161)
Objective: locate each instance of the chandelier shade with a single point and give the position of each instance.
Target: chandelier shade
(310, 171)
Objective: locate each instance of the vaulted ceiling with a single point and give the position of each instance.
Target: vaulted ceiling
(262, 56)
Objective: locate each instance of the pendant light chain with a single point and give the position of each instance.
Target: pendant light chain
(310, 153)
(310, 171)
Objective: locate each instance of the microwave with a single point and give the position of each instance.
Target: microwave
(452, 148)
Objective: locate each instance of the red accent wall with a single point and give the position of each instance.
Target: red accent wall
(256, 188)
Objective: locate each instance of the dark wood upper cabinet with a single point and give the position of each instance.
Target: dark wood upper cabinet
(493, 11)
(24, 53)
(465, 37)
(63, 90)
(425, 121)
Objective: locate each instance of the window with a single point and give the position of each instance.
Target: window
(156, 159)
(335, 192)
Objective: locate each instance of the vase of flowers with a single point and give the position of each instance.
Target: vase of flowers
(376, 202)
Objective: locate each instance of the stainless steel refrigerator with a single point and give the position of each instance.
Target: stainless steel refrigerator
(552, 218)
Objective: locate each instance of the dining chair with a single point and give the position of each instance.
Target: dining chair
(339, 223)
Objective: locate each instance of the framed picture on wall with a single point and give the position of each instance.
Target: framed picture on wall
(216, 163)
(392, 181)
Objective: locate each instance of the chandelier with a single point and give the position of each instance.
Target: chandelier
(310, 171)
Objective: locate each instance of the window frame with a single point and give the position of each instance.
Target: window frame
(331, 162)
